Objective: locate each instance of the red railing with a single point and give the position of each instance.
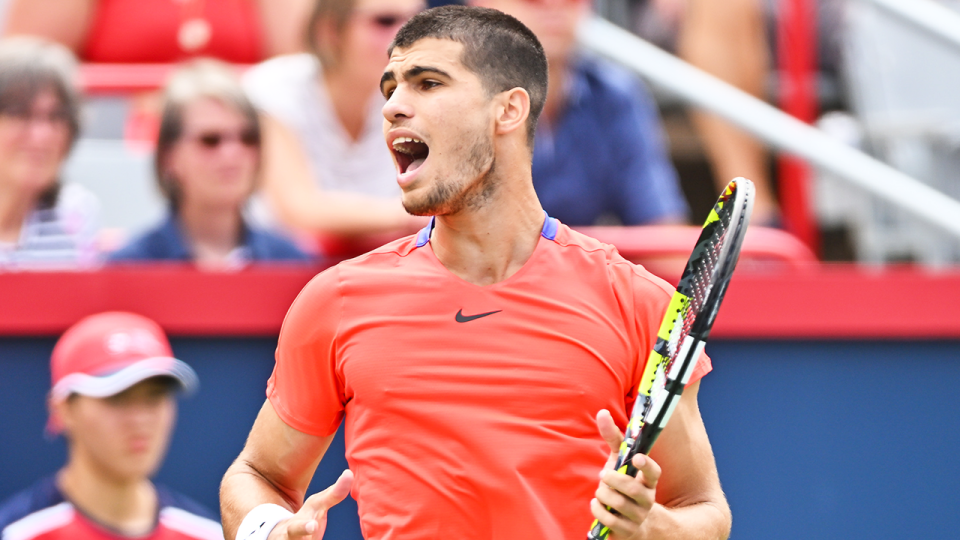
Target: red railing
(818, 301)
(97, 79)
(797, 58)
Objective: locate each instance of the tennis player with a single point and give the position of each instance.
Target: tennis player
(473, 364)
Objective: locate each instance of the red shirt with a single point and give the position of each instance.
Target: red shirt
(42, 513)
(470, 410)
(147, 31)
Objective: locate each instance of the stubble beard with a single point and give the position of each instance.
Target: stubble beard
(471, 184)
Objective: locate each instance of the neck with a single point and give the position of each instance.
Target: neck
(15, 206)
(213, 231)
(349, 103)
(128, 506)
(490, 243)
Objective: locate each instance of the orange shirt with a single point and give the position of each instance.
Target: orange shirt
(470, 410)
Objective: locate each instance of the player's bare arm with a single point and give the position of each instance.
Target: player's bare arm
(676, 494)
(275, 467)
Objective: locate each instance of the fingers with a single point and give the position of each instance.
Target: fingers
(322, 501)
(647, 470)
(609, 430)
(632, 498)
(311, 520)
(620, 527)
(300, 528)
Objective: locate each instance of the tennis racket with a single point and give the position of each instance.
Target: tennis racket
(686, 326)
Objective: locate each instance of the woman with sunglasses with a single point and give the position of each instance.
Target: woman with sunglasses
(207, 162)
(326, 167)
(43, 224)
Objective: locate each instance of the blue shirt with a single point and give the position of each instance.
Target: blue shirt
(167, 243)
(606, 154)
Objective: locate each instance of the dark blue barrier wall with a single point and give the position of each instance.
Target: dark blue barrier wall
(814, 439)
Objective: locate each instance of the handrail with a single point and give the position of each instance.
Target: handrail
(766, 122)
(936, 19)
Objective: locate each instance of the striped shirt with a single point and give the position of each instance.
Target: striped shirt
(43, 513)
(55, 238)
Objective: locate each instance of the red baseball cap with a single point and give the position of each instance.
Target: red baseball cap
(104, 354)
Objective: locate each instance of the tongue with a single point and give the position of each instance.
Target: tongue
(415, 164)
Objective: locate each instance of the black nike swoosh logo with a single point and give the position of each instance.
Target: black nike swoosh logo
(467, 318)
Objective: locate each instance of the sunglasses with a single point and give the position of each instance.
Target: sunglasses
(212, 140)
(24, 115)
(386, 20)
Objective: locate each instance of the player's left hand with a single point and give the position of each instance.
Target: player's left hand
(632, 497)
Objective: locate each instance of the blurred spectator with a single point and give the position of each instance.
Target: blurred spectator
(599, 155)
(726, 39)
(326, 167)
(132, 31)
(207, 162)
(113, 377)
(42, 222)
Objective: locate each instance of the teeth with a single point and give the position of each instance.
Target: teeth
(401, 140)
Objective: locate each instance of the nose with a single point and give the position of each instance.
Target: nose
(232, 148)
(42, 128)
(397, 107)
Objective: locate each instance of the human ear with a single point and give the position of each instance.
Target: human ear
(512, 111)
(59, 411)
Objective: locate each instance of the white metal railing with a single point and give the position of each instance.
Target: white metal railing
(777, 128)
(932, 17)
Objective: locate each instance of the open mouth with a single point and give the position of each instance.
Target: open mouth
(410, 152)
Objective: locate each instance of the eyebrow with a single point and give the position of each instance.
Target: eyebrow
(411, 73)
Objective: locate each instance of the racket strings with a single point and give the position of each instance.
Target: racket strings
(703, 277)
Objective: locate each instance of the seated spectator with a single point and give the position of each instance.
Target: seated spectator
(599, 155)
(728, 40)
(114, 378)
(138, 31)
(43, 223)
(326, 167)
(207, 162)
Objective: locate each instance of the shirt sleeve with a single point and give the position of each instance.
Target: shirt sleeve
(306, 387)
(651, 298)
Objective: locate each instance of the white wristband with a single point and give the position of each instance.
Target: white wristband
(261, 520)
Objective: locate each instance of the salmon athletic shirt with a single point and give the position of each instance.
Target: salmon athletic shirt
(470, 411)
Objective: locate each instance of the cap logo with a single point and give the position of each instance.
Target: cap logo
(135, 341)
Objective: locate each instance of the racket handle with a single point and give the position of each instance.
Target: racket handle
(599, 531)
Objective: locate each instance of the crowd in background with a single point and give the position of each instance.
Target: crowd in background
(267, 146)
(268, 166)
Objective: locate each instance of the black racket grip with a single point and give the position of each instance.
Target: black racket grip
(599, 531)
(642, 445)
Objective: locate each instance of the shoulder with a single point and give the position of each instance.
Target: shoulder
(33, 510)
(381, 267)
(611, 91)
(388, 263)
(159, 243)
(181, 514)
(621, 273)
(608, 78)
(269, 246)
(274, 79)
